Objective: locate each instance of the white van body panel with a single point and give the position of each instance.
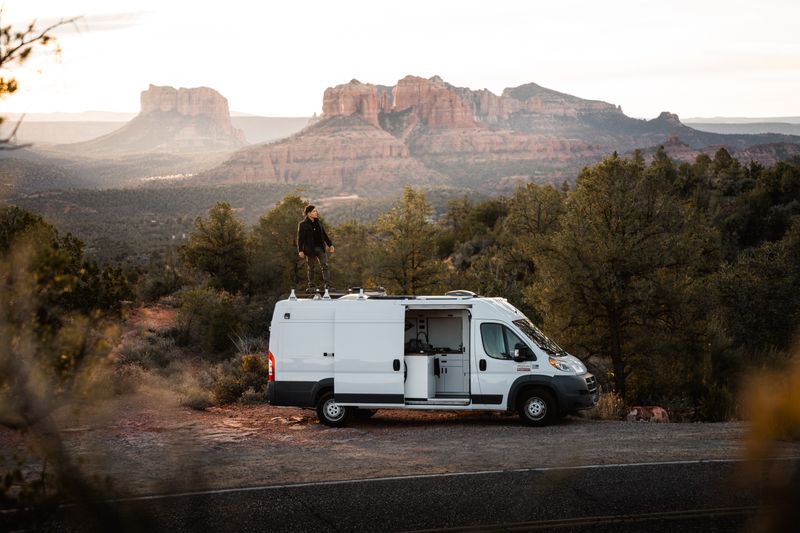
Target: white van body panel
(368, 365)
(306, 335)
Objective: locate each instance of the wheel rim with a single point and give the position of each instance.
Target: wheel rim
(536, 408)
(333, 411)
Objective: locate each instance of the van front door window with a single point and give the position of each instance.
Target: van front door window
(499, 341)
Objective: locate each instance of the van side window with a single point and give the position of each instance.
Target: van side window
(499, 341)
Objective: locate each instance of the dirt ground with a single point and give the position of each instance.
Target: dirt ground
(148, 445)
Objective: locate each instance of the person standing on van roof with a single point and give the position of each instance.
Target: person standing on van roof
(312, 243)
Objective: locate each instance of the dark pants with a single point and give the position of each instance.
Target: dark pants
(318, 258)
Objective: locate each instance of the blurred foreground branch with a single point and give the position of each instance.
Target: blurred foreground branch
(16, 46)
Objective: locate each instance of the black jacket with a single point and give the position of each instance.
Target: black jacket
(306, 231)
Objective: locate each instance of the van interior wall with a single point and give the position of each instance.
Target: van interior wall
(437, 331)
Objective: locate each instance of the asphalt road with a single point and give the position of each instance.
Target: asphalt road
(674, 496)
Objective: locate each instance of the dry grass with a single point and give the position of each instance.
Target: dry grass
(609, 407)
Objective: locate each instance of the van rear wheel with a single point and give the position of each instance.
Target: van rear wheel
(538, 408)
(331, 413)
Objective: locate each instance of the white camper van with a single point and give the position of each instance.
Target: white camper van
(353, 355)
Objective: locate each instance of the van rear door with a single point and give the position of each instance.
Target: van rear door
(368, 362)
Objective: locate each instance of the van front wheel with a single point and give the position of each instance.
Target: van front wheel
(331, 413)
(538, 408)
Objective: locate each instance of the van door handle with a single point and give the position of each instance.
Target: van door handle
(396, 364)
(482, 364)
(326, 354)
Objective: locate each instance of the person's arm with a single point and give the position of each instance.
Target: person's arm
(325, 238)
(300, 236)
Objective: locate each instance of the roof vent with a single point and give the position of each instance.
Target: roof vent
(461, 294)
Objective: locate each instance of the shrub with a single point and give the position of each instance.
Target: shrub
(255, 369)
(151, 351)
(609, 407)
(227, 389)
(126, 379)
(160, 281)
(718, 404)
(249, 344)
(256, 318)
(242, 378)
(196, 399)
(250, 396)
(210, 318)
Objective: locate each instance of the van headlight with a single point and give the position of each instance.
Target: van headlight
(560, 365)
(568, 363)
(576, 364)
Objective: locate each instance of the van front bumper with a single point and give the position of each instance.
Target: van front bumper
(576, 393)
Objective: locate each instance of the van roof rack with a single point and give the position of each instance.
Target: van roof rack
(333, 294)
(369, 291)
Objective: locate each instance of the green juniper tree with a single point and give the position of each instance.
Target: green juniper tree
(405, 256)
(614, 272)
(274, 265)
(217, 246)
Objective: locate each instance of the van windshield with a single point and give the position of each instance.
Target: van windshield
(536, 335)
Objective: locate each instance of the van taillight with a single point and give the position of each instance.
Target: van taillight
(271, 367)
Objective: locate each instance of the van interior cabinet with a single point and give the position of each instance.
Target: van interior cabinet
(420, 381)
(453, 374)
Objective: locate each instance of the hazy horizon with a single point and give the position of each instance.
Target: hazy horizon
(713, 58)
(121, 116)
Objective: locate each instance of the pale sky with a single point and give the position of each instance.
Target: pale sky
(691, 57)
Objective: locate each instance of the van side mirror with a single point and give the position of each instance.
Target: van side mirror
(523, 353)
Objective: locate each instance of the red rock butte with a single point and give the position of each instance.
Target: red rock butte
(199, 101)
(172, 120)
(437, 104)
(427, 132)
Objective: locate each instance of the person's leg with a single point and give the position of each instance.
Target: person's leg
(320, 261)
(310, 271)
(323, 264)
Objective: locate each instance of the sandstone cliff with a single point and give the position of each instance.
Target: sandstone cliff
(343, 153)
(172, 120)
(428, 131)
(197, 102)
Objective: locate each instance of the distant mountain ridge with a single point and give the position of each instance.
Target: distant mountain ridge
(742, 120)
(375, 137)
(62, 131)
(748, 128)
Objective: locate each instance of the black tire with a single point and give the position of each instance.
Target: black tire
(363, 414)
(538, 408)
(331, 414)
